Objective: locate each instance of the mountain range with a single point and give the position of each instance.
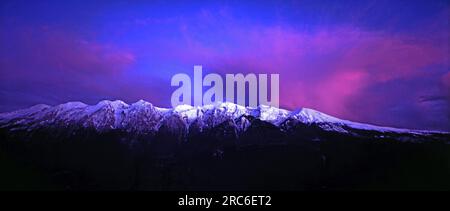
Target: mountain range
(144, 118)
(116, 146)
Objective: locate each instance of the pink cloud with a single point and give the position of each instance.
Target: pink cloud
(446, 80)
(335, 91)
(328, 69)
(57, 61)
(388, 58)
(48, 50)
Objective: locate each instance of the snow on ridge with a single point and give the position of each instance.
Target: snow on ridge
(118, 114)
(141, 103)
(113, 104)
(308, 115)
(272, 114)
(70, 105)
(5, 117)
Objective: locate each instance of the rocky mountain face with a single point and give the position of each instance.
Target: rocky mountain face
(143, 118)
(113, 145)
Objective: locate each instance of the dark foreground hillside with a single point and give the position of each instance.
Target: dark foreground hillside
(263, 158)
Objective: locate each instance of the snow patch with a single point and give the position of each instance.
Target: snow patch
(143, 116)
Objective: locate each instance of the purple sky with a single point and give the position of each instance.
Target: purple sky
(380, 62)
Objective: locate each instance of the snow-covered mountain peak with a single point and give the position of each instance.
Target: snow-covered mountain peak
(141, 103)
(113, 104)
(68, 107)
(271, 114)
(308, 115)
(142, 116)
(4, 117)
(183, 108)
